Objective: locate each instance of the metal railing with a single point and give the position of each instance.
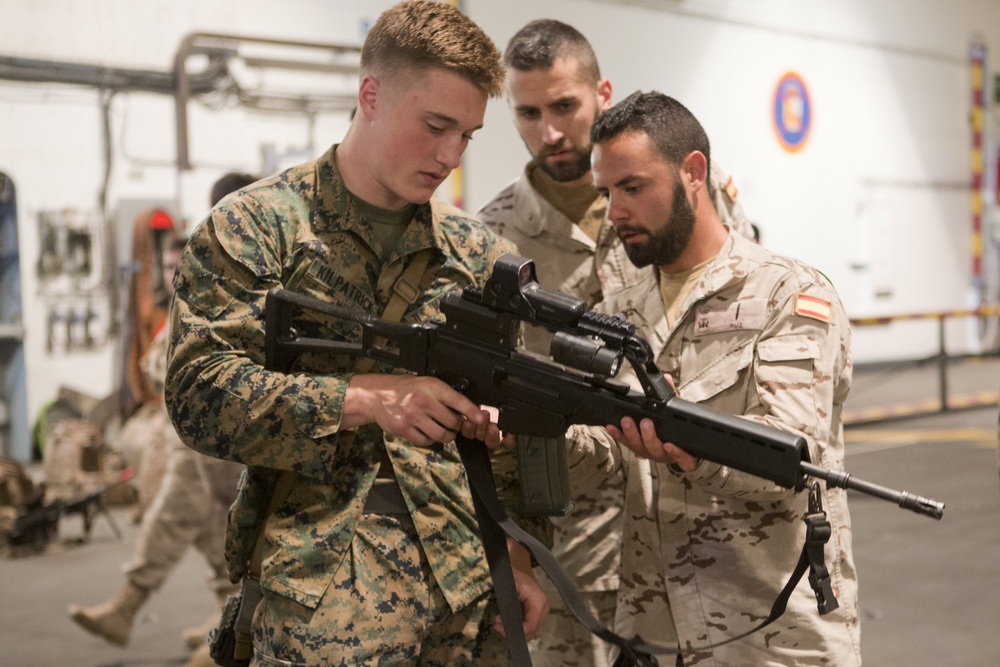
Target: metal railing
(943, 403)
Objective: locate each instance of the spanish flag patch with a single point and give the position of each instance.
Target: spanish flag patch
(730, 189)
(810, 306)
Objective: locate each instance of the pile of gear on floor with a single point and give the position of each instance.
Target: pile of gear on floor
(83, 464)
(78, 475)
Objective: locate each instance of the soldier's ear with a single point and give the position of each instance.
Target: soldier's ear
(369, 95)
(694, 170)
(603, 94)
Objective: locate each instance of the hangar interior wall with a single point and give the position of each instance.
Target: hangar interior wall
(877, 197)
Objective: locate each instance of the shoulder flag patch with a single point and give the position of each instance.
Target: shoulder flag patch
(730, 189)
(810, 306)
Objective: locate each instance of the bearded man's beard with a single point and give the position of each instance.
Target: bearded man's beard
(565, 171)
(665, 245)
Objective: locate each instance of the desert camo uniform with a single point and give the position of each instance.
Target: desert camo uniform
(588, 539)
(301, 230)
(708, 551)
(190, 505)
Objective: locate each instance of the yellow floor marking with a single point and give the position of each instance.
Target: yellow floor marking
(894, 436)
(870, 440)
(929, 406)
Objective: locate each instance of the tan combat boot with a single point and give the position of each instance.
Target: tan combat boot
(198, 635)
(112, 620)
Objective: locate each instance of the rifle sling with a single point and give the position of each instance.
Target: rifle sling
(494, 523)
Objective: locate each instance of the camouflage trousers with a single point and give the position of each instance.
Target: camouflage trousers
(183, 513)
(383, 608)
(563, 641)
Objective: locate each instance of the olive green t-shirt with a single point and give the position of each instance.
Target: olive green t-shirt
(388, 225)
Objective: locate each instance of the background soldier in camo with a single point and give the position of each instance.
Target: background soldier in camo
(350, 575)
(189, 507)
(749, 333)
(556, 218)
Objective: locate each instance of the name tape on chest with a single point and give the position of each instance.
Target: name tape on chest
(810, 306)
(749, 314)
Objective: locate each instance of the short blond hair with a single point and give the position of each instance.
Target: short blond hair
(420, 34)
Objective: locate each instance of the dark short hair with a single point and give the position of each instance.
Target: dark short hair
(419, 34)
(674, 131)
(540, 43)
(230, 182)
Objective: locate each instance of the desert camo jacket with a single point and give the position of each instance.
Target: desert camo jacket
(587, 540)
(705, 553)
(298, 230)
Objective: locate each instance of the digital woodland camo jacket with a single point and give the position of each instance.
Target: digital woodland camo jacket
(298, 230)
(587, 540)
(705, 553)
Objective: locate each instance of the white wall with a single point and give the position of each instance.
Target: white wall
(877, 199)
(51, 146)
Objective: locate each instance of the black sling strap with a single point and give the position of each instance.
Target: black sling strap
(495, 526)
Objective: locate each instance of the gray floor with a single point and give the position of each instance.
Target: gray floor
(930, 590)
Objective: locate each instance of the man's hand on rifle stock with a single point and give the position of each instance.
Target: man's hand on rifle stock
(423, 410)
(642, 440)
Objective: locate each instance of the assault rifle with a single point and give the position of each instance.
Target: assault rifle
(475, 351)
(38, 524)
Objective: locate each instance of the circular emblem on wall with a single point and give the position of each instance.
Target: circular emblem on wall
(792, 112)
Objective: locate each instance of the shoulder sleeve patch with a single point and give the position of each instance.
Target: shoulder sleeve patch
(810, 306)
(730, 189)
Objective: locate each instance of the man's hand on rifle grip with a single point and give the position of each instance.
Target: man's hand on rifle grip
(423, 410)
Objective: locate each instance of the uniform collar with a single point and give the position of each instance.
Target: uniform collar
(532, 211)
(735, 260)
(535, 215)
(730, 264)
(334, 211)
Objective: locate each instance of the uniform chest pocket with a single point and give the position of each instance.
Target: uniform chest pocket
(786, 378)
(798, 348)
(721, 374)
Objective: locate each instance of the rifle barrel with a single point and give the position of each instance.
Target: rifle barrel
(904, 499)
